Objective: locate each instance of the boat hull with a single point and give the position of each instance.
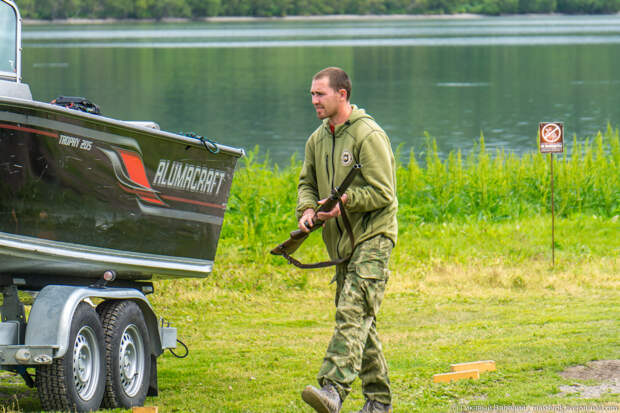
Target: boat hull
(81, 194)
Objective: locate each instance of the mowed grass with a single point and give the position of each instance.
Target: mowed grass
(257, 339)
(471, 279)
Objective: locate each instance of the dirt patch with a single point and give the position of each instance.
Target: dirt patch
(605, 371)
(595, 370)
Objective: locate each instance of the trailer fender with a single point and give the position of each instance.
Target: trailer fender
(51, 314)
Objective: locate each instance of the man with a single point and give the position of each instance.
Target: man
(348, 136)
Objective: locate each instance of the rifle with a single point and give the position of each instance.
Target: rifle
(298, 236)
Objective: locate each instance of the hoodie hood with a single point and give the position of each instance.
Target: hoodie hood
(356, 114)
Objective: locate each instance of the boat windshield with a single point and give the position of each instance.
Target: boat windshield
(8, 40)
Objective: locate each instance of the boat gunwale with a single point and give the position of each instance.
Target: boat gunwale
(99, 119)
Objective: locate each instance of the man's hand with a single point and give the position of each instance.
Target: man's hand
(305, 222)
(335, 212)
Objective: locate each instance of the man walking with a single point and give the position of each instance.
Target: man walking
(348, 136)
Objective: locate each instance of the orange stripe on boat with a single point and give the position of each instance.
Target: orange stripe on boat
(31, 130)
(135, 167)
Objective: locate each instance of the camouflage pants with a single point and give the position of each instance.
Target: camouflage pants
(355, 348)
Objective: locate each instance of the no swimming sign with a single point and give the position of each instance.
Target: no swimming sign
(551, 137)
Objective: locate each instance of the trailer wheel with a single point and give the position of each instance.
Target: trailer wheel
(76, 381)
(127, 356)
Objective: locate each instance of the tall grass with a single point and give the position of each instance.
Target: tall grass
(482, 186)
(497, 186)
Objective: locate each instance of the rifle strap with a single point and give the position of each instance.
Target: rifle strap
(323, 264)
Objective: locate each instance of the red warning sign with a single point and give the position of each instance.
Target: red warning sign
(551, 137)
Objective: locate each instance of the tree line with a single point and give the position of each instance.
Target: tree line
(158, 9)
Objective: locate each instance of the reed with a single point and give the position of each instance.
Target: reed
(498, 186)
(481, 186)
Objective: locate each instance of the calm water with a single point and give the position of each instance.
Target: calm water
(246, 84)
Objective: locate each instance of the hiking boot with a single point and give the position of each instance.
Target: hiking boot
(373, 406)
(324, 400)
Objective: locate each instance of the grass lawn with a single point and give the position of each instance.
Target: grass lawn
(257, 331)
(258, 356)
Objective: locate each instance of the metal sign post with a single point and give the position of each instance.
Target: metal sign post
(551, 141)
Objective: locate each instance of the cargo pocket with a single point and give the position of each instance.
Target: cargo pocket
(370, 260)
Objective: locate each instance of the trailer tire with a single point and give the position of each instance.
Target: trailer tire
(128, 360)
(76, 381)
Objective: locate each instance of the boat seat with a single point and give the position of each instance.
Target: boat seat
(15, 90)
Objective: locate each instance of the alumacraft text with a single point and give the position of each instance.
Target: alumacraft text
(187, 177)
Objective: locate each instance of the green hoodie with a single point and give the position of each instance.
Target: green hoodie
(372, 205)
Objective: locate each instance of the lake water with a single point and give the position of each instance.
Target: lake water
(247, 83)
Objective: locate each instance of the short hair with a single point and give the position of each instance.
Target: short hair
(338, 79)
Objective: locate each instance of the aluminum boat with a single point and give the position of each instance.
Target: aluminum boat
(81, 194)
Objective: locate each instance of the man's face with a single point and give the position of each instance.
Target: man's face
(326, 100)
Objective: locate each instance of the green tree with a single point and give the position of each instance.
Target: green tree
(417, 6)
(396, 6)
(27, 8)
(269, 8)
(146, 9)
(493, 7)
(204, 8)
(367, 7)
(171, 8)
(143, 9)
(45, 9)
(588, 6)
(537, 6)
(118, 9)
(89, 8)
(236, 8)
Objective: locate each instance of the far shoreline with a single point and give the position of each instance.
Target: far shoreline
(241, 19)
(313, 18)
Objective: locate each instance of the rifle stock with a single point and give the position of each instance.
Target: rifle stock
(298, 236)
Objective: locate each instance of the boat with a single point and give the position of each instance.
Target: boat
(82, 194)
(92, 210)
